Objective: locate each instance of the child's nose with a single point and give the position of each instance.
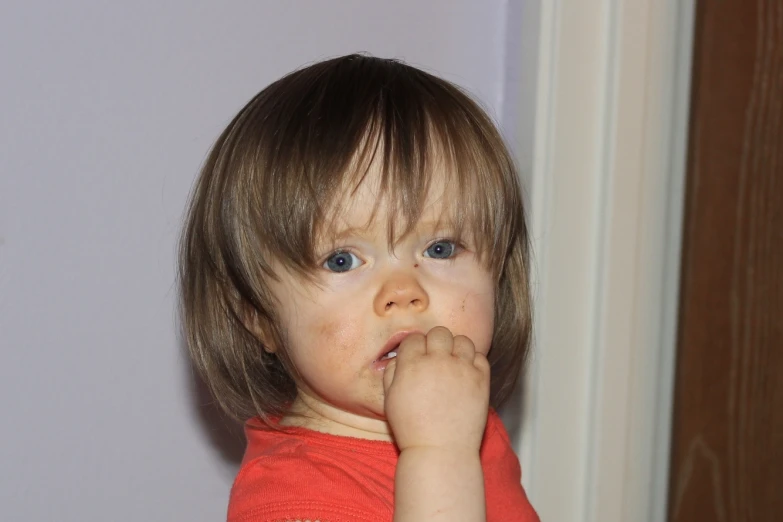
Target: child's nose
(401, 292)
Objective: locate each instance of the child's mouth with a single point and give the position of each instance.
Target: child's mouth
(390, 355)
(389, 351)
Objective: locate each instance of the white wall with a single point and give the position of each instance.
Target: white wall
(108, 109)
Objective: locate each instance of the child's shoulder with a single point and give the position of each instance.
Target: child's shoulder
(307, 475)
(266, 442)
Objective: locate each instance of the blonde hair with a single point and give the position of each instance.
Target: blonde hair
(272, 180)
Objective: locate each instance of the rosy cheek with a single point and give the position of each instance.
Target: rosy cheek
(326, 341)
(327, 331)
(481, 311)
(337, 337)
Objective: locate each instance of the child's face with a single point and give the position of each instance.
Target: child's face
(336, 331)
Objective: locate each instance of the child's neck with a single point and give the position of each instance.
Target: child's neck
(311, 413)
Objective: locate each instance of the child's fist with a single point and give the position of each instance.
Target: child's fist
(437, 392)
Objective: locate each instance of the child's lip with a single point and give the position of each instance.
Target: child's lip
(395, 341)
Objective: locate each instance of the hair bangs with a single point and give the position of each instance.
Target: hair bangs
(431, 150)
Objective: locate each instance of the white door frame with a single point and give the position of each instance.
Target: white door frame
(606, 216)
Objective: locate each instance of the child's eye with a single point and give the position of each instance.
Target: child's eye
(342, 262)
(442, 249)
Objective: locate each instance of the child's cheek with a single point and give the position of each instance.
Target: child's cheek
(478, 314)
(472, 309)
(327, 330)
(338, 338)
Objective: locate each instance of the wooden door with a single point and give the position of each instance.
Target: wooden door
(727, 444)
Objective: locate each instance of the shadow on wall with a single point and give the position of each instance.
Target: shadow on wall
(512, 412)
(223, 432)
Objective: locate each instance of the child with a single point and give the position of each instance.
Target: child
(354, 281)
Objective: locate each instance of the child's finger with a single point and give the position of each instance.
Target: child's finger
(440, 340)
(464, 348)
(388, 375)
(412, 346)
(481, 362)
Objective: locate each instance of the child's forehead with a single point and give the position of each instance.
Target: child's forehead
(368, 208)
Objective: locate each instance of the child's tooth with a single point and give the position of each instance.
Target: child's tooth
(391, 354)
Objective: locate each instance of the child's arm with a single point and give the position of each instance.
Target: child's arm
(437, 399)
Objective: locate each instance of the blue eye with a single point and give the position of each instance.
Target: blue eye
(342, 262)
(441, 250)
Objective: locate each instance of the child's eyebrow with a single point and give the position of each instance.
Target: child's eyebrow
(330, 238)
(365, 232)
(349, 232)
(435, 226)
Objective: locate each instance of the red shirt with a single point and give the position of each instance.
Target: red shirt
(302, 474)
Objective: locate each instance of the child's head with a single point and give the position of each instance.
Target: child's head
(347, 201)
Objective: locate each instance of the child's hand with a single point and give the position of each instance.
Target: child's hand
(437, 392)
